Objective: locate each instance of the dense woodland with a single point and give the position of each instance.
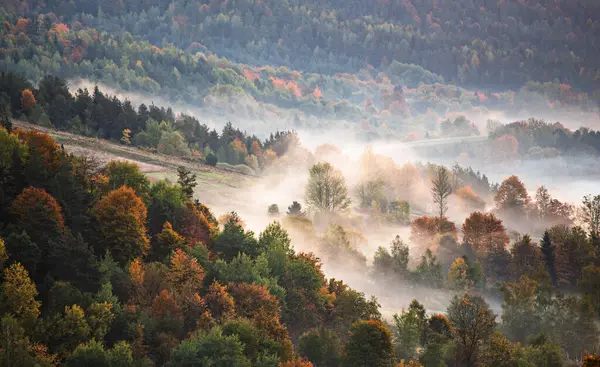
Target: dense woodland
(153, 278)
(100, 266)
(398, 95)
(477, 42)
(99, 115)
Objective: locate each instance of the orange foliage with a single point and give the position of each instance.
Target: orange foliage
(255, 149)
(485, 233)
(121, 218)
(239, 146)
(591, 360)
(164, 304)
(42, 144)
(470, 198)
(61, 28)
(426, 231)
(219, 302)
(185, 274)
(251, 299)
(27, 100)
(250, 75)
(196, 227)
(317, 92)
(22, 25)
(136, 272)
(27, 204)
(290, 86)
(296, 363)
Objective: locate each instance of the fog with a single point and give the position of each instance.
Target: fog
(567, 179)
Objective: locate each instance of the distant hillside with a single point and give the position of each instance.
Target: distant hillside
(470, 42)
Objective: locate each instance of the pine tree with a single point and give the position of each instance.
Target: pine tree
(549, 257)
(187, 181)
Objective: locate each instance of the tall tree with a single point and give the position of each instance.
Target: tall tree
(473, 324)
(441, 189)
(187, 180)
(512, 195)
(543, 201)
(484, 233)
(590, 214)
(369, 345)
(18, 295)
(548, 252)
(326, 189)
(121, 224)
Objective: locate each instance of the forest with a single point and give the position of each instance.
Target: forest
(338, 183)
(155, 277)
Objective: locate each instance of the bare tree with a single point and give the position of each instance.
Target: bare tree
(442, 188)
(326, 189)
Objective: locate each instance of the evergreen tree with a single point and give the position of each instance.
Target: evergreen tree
(549, 256)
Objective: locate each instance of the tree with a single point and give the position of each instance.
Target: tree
(93, 353)
(273, 210)
(185, 275)
(210, 348)
(123, 173)
(410, 328)
(18, 295)
(441, 189)
(211, 159)
(394, 265)
(526, 257)
(326, 189)
(220, 302)
(121, 224)
(38, 213)
(234, 240)
(473, 324)
(520, 313)
(589, 285)
(17, 351)
(484, 233)
(512, 196)
(28, 101)
(543, 201)
(195, 227)
(369, 345)
(187, 180)
(295, 209)
(321, 346)
(548, 252)
(167, 241)
(5, 116)
(589, 214)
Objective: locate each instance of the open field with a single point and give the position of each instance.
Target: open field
(214, 184)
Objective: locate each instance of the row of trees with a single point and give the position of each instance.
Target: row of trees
(99, 115)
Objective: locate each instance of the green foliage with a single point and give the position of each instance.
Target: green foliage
(321, 346)
(94, 354)
(211, 348)
(410, 328)
(234, 240)
(369, 344)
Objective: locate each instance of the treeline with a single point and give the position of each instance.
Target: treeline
(96, 114)
(540, 139)
(473, 44)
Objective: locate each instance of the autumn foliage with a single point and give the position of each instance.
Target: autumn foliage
(27, 100)
(35, 208)
(121, 224)
(195, 227)
(484, 232)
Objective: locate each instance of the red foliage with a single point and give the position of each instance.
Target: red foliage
(27, 204)
(195, 227)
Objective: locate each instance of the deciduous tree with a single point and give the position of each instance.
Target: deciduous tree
(121, 224)
(441, 188)
(326, 189)
(369, 345)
